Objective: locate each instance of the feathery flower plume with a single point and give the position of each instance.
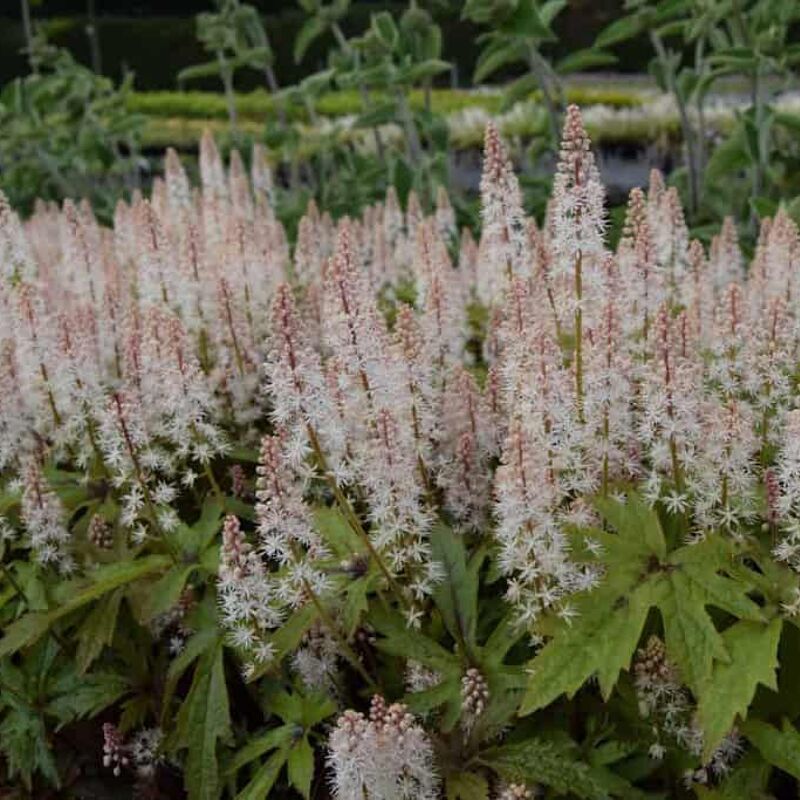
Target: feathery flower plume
(578, 222)
(44, 520)
(285, 528)
(247, 596)
(504, 248)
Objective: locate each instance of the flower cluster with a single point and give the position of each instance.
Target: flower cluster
(397, 377)
(386, 755)
(144, 350)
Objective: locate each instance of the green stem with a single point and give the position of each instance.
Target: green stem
(350, 515)
(347, 651)
(579, 335)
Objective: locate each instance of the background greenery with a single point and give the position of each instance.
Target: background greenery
(159, 39)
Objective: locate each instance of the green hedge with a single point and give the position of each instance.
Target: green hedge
(258, 105)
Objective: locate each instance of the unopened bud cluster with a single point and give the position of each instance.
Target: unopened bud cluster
(474, 696)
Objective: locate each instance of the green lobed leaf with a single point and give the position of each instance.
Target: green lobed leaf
(694, 580)
(691, 638)
(97, 630)
(80, 696)
(400, 640)
(753, 648)
(204, 718)
(636, 524)
(301, 766)
(384, 27)
(550, 763)
(600, 642)
(729, 157)
(446, 693)
(525, 21)
(198, 644)
(163, 594)
(265, 777)
(456, 595)
(23, 632)
(781, 748)
(256, 747)
(106, 578)
(337, 533)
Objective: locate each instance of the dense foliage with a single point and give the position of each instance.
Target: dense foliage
(65, 131)
(393, 513)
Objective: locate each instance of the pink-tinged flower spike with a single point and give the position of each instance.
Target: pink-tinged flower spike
(261, 176)
(175, 392)
(787, 475)
(247, 597)
(517, 324)
(316, 660)
(671, 239)
(393, 226)
(233, 332)
(669, 426)
(212, 170)
(387, 756)
(772, 493)
(84, 270)
(16, 258)
(468, 257)
(399, 522)
(466, 444)
(722, 480)
(309, 253)
(417, 371)
(179, 190)
(17, 421)
(578, 223)
(44, 520)
(699, 293)
(414, 215)
(731, 331)
(609, 386)
(129, 455)
(640, 278)
(445, 216)
(504, 250)
(239, 187)
(768, 378)
(533, 548)
(40, 368)
(442, 317)
(725, 261)
(355, 332)
(302, 404)
(545, 284)
(153, 257)
(285, 528)
(81, 359)
(779, 246)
